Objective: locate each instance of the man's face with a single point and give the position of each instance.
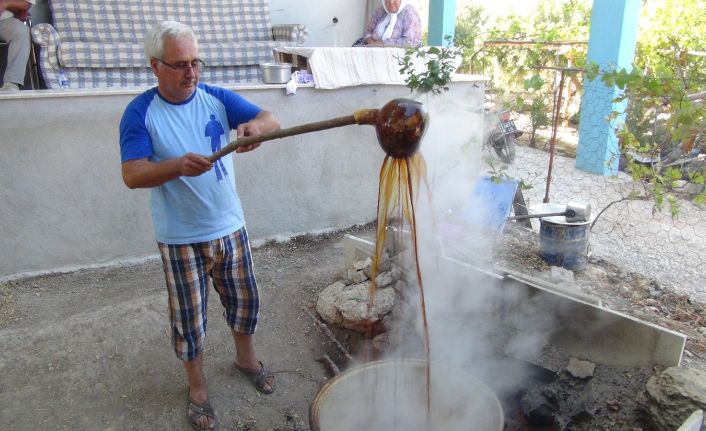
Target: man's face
(392, 6)
(176, 82)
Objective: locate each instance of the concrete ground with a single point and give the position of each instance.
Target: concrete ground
(91, 350)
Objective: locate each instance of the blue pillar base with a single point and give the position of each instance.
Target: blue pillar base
(611, 42)
(598, 150)
(442, 21)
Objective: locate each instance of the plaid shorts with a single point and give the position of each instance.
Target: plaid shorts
(187, 268)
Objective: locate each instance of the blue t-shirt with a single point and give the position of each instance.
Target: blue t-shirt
(188, 209)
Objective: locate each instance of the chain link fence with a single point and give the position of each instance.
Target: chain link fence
(626, 230)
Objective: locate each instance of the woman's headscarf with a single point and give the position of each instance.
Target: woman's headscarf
(384, 29)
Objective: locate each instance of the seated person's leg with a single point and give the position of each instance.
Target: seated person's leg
(16, 33)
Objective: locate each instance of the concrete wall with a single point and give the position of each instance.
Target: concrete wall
(318, 16)
(64, 205)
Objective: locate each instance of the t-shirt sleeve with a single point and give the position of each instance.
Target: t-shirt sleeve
(238, 109)
(135, 141)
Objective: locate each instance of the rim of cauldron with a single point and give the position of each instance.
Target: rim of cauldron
(328, 386)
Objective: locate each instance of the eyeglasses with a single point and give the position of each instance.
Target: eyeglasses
(183, 66)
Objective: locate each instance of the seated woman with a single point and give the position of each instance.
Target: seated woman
(395, 23)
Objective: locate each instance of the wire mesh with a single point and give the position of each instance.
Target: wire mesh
(627, 229)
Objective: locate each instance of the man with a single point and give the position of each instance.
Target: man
(165, 134)
(14, 31)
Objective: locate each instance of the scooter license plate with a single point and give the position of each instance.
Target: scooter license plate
(507, 127)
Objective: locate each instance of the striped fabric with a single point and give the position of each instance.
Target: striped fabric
(227, 262)
(143, 77)
(290, 32)
(98, 43)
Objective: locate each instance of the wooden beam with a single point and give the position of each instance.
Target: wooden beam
(556, 43)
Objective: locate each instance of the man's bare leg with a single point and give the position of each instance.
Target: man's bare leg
(246, 358)
(198, 387)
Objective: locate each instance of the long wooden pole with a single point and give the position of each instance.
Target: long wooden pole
(244, 141)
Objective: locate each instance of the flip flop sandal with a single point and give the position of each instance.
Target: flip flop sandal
(194, 411)
(258, 377)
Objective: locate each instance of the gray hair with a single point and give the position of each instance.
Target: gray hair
(154, 39)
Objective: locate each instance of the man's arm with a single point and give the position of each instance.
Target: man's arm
(15, 5)
(143, 173)
(265, 121)
(18, 7)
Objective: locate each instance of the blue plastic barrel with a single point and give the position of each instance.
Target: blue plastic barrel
(564, 244)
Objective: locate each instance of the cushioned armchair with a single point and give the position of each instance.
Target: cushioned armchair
(98, 43)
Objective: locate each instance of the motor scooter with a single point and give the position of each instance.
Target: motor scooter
(500, 137)
(689, 154)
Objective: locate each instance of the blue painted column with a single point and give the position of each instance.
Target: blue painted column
(442, 21)
(611, 43)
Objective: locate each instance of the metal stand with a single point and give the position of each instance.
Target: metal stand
(32, 66)
(556, 113)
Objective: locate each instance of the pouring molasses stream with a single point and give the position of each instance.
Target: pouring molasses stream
(399, 125)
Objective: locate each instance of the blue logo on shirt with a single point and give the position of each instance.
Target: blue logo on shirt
(214, 130)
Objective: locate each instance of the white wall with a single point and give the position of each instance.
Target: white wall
(64, 205)
(318, 16)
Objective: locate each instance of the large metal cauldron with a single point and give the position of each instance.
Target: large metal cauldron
(391, 395)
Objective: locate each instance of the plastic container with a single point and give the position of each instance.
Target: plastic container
(62, 80)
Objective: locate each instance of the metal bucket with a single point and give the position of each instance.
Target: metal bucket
(564, 244)
(392, 395)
